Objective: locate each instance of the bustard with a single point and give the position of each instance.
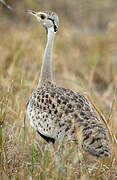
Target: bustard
(52, 110)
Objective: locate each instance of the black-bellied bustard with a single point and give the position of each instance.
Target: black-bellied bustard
(55, 111)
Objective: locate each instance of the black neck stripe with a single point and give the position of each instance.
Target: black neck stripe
(55, 27)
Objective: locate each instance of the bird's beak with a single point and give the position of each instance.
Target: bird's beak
(31, 12)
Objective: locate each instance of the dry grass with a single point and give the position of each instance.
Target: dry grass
(82, 62)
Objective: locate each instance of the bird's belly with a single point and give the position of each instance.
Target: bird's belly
(31, 115)
(41, 121)
(49, 125)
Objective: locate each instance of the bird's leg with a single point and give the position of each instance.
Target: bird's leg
(57, 153)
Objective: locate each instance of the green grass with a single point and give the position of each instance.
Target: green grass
(81, 62)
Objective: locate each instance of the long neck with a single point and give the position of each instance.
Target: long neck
(46, 70)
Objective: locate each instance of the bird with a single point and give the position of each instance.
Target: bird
(55, 112)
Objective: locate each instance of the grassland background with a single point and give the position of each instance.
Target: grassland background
(84, 59)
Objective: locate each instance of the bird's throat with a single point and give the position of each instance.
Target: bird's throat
(46, 70)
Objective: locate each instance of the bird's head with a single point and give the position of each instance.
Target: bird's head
(47, 19)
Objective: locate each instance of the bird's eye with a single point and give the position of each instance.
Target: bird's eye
(42, 16)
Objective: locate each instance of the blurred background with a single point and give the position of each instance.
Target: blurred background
(84, 55)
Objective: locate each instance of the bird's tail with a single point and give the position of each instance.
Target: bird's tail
(95, 139)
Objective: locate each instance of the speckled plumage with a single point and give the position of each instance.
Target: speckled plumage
(57, 113)
(52, 109)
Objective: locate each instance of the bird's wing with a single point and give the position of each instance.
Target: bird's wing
(58, 112)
